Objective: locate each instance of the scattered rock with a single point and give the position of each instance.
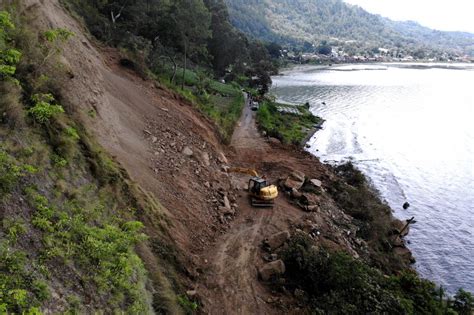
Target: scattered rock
(226, 211)
(272, 269)
(406, 205)
(225, 168)
(191, 293)
(296, 194)
(404, 253)
(226, 202)
(274, 140)
(294, 181)
(312, 208)
(297, 175)
(310, 199)
(398, 242)
(205, 160)
(291, 184)
(277, 240)
(187, 151)
(316, 183)
(154, 139)
(221, 158)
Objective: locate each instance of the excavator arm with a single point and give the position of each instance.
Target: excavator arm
(243, 170)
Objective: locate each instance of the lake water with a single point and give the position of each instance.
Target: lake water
(410, 129)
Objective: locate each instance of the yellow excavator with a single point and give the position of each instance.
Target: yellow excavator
(261, 193)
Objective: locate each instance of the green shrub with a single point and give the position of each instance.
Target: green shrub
(44, 109)
(20, 290)
(58, 161)
(9, 57)
(189, 307)
(290, 129)
(463, 302)
(72, 133)
(105, 251)
(336, 283)
(10, 173)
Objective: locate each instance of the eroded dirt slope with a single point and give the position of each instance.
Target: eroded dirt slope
(173, 152)
(146, 129)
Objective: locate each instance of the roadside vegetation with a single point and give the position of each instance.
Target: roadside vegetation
(289, 128)
(188, 46)
(336, 283)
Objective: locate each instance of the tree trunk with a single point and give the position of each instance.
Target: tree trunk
(175, 68)
(185, 61)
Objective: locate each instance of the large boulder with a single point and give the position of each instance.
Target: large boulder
(294, 181)
(316, 183)
(297, 175)
(277, 240)
(272, 269)
(309, 199)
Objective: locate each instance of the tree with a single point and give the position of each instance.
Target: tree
(192, 28)
(274, 49)
(324, 48)
(226, 46)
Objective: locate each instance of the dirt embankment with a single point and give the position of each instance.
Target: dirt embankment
(173, 152)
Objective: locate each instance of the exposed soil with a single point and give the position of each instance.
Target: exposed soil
(172, 151)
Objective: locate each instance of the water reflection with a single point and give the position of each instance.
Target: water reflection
(411, 131)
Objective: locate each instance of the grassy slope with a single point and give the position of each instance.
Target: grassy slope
(221, 102)
(290, 129)
(70, 215)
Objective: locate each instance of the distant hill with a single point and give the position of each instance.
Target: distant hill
(299, 21)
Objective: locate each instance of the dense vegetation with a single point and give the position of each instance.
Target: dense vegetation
(335, 283)
(188, 45)
(68, 214)
(309, 22)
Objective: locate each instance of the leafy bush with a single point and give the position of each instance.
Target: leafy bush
(105, 251)
(20, 290)
(463, 302)
(9, 56)
(11, 170)
(44, 109)
(189, 307)
(336, 283)
(290, 129)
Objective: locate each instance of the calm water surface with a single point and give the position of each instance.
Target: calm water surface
(411, 131)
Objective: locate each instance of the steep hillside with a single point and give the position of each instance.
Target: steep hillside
(315, 20)
(73, 220)
(116, 196)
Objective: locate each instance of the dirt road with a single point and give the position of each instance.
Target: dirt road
(246, 135)
(232, 285)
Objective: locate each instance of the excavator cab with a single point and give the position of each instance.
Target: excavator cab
(262, 194)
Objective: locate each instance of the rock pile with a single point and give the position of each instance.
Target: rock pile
(304, 192)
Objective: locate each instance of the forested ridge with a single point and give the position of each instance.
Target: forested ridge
(293, 21)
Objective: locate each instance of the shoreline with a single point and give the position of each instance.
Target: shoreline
(396, 64)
